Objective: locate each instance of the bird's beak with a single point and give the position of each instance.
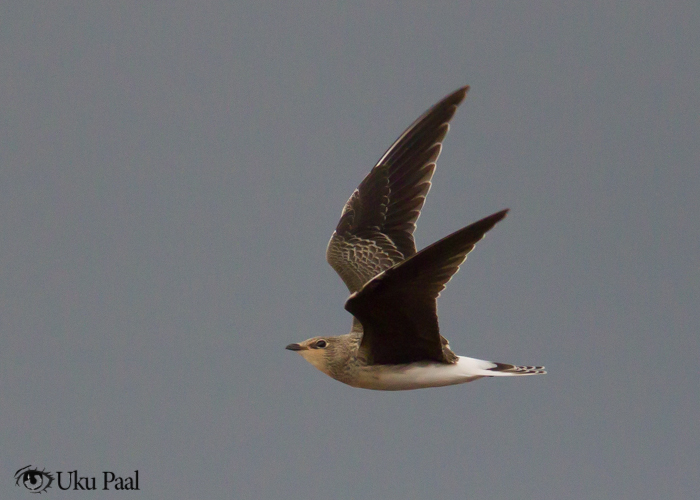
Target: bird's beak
(294, 347)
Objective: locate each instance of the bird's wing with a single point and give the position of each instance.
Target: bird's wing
(398, 308)
(376, 226)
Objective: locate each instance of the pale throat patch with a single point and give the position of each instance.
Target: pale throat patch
(317, 358)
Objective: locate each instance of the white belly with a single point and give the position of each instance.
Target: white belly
(421, 375)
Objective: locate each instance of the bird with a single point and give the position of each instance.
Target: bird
(395, 342)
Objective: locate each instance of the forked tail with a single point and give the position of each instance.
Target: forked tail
(472, 367)
(506, 369)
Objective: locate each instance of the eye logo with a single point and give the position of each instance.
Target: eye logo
(35, 480)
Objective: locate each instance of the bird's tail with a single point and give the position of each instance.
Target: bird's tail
(504, 369)
(483, 368)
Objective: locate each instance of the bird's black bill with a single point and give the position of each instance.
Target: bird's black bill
(294, 347)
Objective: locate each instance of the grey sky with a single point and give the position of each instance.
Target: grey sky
(170, 176)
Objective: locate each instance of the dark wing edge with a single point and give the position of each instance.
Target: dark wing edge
(398, 308)
(376, 226)
(411, 164)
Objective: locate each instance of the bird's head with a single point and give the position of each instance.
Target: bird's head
(319, 351)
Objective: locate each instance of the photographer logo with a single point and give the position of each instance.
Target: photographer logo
(38, 481)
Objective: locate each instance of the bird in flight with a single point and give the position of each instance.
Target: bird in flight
(395, 342)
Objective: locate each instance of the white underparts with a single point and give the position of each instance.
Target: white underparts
(422, 375)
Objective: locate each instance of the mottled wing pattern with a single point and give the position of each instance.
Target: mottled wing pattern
(398, 308)
(376, 226)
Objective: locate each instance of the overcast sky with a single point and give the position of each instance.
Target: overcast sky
(170, 175)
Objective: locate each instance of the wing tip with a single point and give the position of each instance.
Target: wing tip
(493, 219)
(461, 92)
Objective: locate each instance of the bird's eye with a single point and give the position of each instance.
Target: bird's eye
(321, 344)
(34, 480)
